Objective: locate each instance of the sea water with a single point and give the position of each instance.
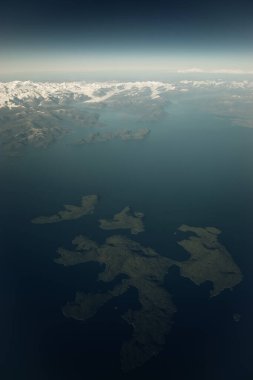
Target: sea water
(194, 168)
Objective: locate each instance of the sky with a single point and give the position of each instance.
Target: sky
(75, 35)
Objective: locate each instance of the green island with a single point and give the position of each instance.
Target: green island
(209, 260)
(70, 212)
(124, 220)
(145, 270)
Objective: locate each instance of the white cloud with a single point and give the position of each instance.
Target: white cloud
(191, 70)
(214, 71)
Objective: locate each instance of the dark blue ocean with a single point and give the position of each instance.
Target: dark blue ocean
(194, 169)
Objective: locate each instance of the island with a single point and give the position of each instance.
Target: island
(124, 220)
(70, 212)
(128, 134)
(126, 264)
(236, 317)
(138, 134)
(145, 271)
(209, 260)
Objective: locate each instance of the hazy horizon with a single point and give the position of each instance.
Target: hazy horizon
(125, 36)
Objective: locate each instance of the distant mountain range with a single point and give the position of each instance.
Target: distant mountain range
(28, 93)
(38, 113)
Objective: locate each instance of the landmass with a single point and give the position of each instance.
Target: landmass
(70, 212)
(243, 122)
(124, 220)
(209, 260)
(145, 271)
(138, 134)
(36, 114)
(41, 123)
(154, 112)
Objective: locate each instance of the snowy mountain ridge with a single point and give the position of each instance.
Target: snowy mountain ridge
(12, 94)
(20, 93)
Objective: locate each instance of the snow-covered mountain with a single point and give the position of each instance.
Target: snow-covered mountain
(18, 93)
(23, 93)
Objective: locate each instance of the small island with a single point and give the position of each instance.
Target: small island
(70, 212)
(145, 271)
(209, 260)
(125, 135)
(236, 317)
(124, 220)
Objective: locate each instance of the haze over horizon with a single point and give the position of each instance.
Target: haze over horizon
(125, 36)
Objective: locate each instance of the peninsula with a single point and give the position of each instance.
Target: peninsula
(125, 134)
